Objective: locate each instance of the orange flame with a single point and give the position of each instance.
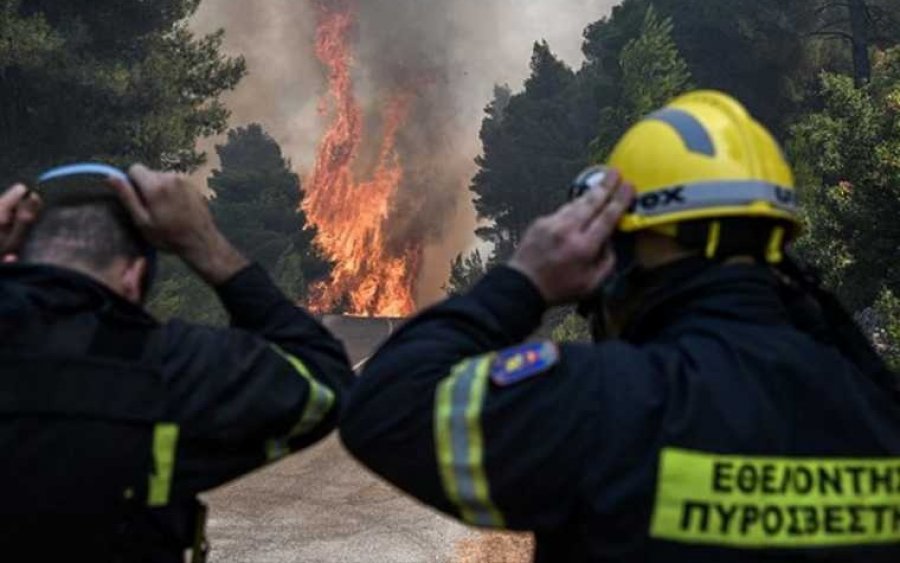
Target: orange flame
(371, 276)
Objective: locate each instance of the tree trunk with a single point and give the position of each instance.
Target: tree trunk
(859, 28)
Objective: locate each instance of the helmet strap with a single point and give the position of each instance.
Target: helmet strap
(616, 286)
(649, 289)
(615, 289)
(714, 241)
(721, 239)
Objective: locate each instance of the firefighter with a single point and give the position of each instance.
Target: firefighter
(112, 422)
(729, 410)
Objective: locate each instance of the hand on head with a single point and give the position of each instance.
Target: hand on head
(175, 218)
(568, 255)
(170, 213)
(19, 209)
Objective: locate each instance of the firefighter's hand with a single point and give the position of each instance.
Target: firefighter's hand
(175, 218)
(567, 255)
(19, 209)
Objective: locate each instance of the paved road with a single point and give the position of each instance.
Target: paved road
(320, 506)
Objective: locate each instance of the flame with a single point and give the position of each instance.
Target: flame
(372, 277)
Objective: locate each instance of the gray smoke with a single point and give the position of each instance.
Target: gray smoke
(452, 52)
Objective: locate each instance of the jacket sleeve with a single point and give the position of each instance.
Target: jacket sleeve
(245, 396)
(442, 415)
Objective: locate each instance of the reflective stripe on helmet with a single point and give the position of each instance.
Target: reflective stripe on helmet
(695, 136)
(83, 169)
(711, 195)
(104, 172)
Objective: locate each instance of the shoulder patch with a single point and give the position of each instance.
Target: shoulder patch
(515, 365)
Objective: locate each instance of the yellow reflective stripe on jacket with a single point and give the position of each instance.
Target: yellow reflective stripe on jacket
(460, 442)
(165, 443)
(318, 405)
(276, 449)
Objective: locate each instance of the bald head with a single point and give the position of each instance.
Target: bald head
(94, 238)
(89, 236)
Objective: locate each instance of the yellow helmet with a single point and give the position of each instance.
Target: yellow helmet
(703, 157)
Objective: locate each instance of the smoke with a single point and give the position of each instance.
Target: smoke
(448, 53)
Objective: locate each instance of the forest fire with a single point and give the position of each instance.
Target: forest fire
(372, 276)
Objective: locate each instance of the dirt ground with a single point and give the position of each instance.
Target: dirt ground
(494, 548)
(322, 507)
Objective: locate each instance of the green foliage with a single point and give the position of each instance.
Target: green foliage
(848, 158)
(753, 50)
(27, 42)
(180, 294)
(881, 322)
(257, 206)
(651, 73)
(107, 80)
(536, 140)
(855, 26)
(465, 271)
(256, 202)
(887, 332)
(533, 141)
(573, 328)
(605, 39)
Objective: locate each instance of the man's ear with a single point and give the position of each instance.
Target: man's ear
(132, 280)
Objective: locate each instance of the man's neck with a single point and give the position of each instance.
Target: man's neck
(103, 278)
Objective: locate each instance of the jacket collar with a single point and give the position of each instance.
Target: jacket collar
(61, 290)
(697, 290)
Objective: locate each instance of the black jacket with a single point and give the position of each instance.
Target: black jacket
(715, 431)
(112, 423)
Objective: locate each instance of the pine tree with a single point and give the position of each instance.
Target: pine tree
(465, 271)
(848, 163)
(653, 70)
(107, 80)
(533, 141)
(257, 205)
(652, 73)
